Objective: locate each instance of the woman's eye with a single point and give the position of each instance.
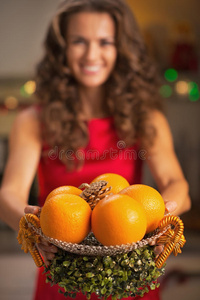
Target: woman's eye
(79, 41)
(106, 42)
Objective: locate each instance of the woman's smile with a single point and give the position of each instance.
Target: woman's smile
(91, 50)
(91, 69)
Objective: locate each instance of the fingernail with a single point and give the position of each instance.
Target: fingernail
(158, 249)
(171, 206)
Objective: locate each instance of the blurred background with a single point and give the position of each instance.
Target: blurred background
(171, 30)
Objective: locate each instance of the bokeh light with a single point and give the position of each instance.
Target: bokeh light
(194, 94)
(181, 87)
(28, 88)
(171, 75)
(165, 91)
(11, 102)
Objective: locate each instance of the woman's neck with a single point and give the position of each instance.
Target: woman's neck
(93, 103)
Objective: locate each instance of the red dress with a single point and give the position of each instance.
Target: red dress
(104, 154)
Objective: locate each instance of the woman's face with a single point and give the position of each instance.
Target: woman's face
(91, 50)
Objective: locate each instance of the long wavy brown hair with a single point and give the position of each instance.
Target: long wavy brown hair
(131, 90)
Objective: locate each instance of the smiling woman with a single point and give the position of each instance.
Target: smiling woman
(96, 43)
(91, 50)
(97, 93)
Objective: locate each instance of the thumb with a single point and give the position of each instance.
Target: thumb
(32, 210)
(170, 206)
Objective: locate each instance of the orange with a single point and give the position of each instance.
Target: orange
(151, 200)
(117, 182)
(118, 219)
(66, 217)
(65, 189)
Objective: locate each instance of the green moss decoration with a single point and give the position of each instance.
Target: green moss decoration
(120, 276)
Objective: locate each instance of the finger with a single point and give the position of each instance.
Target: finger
(170, 206)
(158, 249)
(32, 210)
(46, 243)
(47, 257)
(152, 243)
(43, 241)
(47, 248)
(47, 263)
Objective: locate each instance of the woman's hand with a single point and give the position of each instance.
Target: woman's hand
(47, 249)
(170, 206)
(35, 210)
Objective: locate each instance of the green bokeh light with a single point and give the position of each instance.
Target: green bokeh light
(171, 75)
(194, 94)
(23, 92)
(166, 91)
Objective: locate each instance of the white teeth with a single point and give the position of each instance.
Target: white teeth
(92, 68)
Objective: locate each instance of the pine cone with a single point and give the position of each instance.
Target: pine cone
(94, 192)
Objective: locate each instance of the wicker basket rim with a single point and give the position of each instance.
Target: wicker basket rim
(90, 246)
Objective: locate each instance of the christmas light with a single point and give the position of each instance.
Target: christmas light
(23, 92)
(11, 102)
(181, 87)
(194, 94)
(171, 75)
(30, 87)
(166, 91)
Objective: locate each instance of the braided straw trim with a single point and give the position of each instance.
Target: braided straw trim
(173, 239)
(28, 238)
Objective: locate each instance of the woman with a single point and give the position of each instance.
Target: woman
(97, 93)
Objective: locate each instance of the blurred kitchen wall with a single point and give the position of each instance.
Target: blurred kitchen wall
(23, 25)
(22, 28)
(160, 22)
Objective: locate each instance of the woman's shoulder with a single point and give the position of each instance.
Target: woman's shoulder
(27, 123)
(157, 118)
(161, 128)
(28, 116)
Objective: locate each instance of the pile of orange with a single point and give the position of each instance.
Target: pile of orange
(66, 216)
(117, 220)
(115, 181)
(65, 189)
(151, 201)
(124, 216)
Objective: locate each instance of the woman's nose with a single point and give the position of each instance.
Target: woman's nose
(92, 51)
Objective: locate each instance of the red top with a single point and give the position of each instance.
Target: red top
(104, 154)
